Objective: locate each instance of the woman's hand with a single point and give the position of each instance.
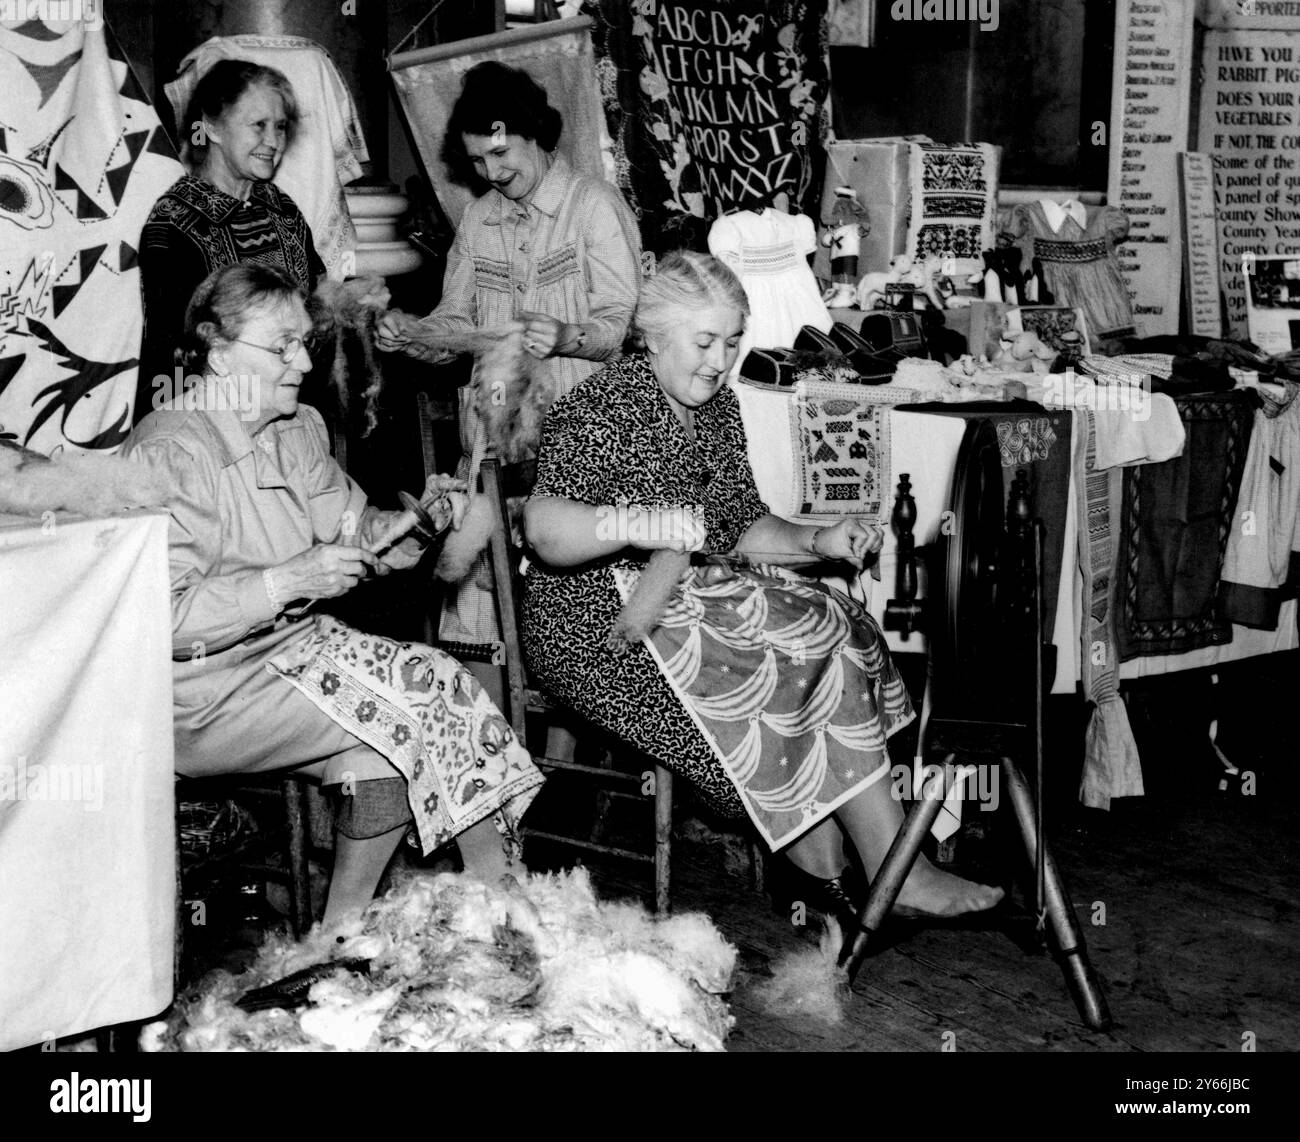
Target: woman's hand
(543, 335)
(849, 540)
(322, 572)
(397, 332)
(656, 529)
(401, 556)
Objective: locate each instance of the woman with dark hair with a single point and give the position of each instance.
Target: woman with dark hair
(240, 122)
(545, 255)
(543, 246)
(265, 521)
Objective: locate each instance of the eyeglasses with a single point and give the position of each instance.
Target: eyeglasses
(286, 352)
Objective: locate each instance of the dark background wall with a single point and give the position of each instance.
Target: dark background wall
(1036, 85)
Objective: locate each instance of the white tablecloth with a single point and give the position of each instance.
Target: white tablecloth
(87, 833)
(925, 447)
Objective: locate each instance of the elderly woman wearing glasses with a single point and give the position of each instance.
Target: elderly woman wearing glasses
(264, 523)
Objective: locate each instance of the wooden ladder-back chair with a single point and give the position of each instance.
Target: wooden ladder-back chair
(523, 698)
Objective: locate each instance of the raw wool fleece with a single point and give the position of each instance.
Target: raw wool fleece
(809, 982)
(645, 606)
(464, 544)
(81, 482)
(346, 309)
(458, 965)
(510, 400)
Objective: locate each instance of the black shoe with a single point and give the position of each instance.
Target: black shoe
(831, 898)
(813, 340)
(847, 339)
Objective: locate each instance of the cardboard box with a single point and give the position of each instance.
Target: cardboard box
(878, 169)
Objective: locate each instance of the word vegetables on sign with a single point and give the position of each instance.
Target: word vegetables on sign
(731, 103)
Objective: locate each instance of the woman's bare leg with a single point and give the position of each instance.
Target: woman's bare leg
(820, 851)
(358, 865)
(871, 820)
(483, 851)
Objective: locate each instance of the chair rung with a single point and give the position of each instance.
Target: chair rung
(578, 767)
(592, 846)
(493, 652)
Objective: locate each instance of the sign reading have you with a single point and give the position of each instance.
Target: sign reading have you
(731, 104)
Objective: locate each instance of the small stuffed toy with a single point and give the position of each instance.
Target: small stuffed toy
(1024, 353)
(902, 271)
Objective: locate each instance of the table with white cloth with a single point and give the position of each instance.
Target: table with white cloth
(87, 826)
(924, 445)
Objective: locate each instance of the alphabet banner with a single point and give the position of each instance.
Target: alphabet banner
(728, 95)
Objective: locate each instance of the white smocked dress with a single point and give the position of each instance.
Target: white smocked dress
(769, 253)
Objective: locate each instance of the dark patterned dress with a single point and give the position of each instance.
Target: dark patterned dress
(771, 693)
(194, 229)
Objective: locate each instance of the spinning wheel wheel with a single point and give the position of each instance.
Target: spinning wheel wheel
(968, 644)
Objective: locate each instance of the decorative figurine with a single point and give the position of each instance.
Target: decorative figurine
(846, 227)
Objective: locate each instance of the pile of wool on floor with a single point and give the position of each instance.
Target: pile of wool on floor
(458, 965)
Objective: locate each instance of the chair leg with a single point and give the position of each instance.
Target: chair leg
(296, 859)
(663, 838)
(757, 879)
(1079, 974)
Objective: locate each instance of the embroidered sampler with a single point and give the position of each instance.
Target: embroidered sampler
(954, 199)
(841, 448)
(1111, 766)
(789, 682)
(428, 716)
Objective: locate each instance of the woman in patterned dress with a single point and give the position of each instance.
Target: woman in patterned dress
(773, 694)
(264, 521)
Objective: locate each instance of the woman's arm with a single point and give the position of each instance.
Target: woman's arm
(612, 267)
(566, 533)
(209, 612)
(849, 540)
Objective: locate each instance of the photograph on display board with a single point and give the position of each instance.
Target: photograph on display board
(1273, 304)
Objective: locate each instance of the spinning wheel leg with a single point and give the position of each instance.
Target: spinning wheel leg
(898, 862)
(1079, 974)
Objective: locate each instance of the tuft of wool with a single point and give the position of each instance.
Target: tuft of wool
(465, 543)
(83, 482)
(354, 307)
(808, 982)
(654, 587)
(510, 399)
(460, 965)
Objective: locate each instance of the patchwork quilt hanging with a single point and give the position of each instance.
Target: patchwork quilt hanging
(82, 161)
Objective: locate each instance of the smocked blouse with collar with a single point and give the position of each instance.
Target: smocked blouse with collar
(573, 253)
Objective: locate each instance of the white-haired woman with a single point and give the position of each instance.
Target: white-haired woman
(264, 523)
(772, 693)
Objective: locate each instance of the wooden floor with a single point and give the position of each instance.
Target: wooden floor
(1187, 897)
(1198, 947)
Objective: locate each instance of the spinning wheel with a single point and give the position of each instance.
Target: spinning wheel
(979, 675)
